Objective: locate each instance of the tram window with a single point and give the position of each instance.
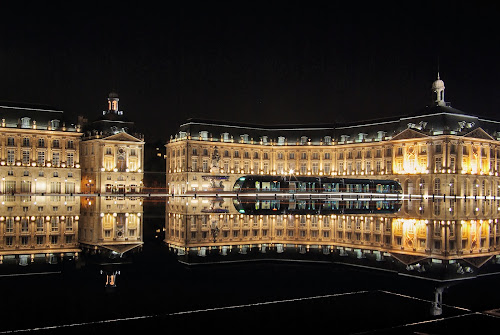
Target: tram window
(327, 187)
(275, 186)
(266, 186)
(257, 185)
(302, 187)
(335, 187)
(301, 204)
(266, 204)
(292, 187)
(257, 204)
(292, 204)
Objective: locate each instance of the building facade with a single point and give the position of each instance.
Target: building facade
(440, 151)
(39, 156)
(52, 175)
(112, 164)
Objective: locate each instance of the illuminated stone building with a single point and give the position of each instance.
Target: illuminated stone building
(39, 156)
(112, 160)
(439, 151)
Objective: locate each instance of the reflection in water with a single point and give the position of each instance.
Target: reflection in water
(434, 239)
(53, 229)
(314, 206)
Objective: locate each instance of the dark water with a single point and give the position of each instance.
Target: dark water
(155, 292)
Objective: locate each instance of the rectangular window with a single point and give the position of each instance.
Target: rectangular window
(39, 225)
(55, 159)
(40, 158)
(315, 169)
(39, 240)
(11, 156)
(438, 165)
(70, 160)
(26, 156)
(326, 168)
(303, 168)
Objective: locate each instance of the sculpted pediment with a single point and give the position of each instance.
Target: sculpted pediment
(123, 137)
(408, 133)
(479, 133)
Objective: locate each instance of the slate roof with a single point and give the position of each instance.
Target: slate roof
(431, 120)
(13, 112)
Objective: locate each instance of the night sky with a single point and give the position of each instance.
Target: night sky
(263, 62)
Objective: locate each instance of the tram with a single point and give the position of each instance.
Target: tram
(326, 185)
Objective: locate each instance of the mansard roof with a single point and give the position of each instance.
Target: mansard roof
(432, 120)
(13, 113)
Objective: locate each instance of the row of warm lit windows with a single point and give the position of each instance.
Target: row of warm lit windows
(10, 241)
(40, 159)
(344, 154)
(40, 143)
(39, 224)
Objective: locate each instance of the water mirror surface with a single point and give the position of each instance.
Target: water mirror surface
(92, 261)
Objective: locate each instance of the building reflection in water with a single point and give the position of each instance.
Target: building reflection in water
(39, 228)
(111, 225)
(49, 229)
(438, 239)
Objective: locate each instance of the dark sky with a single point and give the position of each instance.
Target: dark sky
(262, 62)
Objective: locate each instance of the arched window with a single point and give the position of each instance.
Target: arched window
(437, 186)
(452, 187)
(475, 186)
(422, 186)
(409, 186)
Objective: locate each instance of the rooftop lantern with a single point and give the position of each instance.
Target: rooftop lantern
(438, 91)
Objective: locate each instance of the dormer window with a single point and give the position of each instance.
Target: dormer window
(182, 134)
(303, 140)
(244, 138)
(54, 124)
(264, 139)
(281, 140)
(343, 138)
(328, 140)
(361, 137)
(225, 137)
(204, 135)
(381, 135)
(25, 122)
